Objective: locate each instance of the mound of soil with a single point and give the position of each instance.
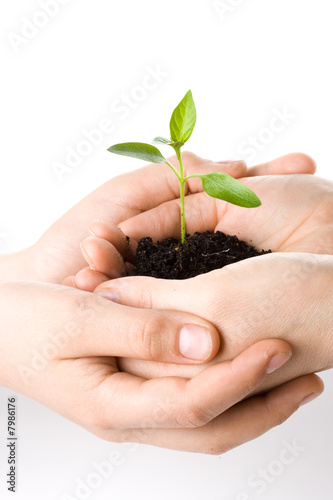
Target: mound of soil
(203, 252)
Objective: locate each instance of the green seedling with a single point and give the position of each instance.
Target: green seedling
(217, 184)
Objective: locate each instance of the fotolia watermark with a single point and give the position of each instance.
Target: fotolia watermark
(30, 28)
(278, 123)
(264, 476)
(224, 8)
(121, 108)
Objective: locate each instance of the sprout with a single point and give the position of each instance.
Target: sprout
(217, 184)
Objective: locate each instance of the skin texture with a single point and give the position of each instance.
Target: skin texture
(67, 363)
(57, 253)
(243, 302)
(239, 300)
(291, 192)
(67, 343)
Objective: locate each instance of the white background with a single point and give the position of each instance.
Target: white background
(242, 65)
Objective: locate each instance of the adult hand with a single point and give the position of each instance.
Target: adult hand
(64, 358)
(284, 295)
(293, 207)
(296, 215)
(57, 254)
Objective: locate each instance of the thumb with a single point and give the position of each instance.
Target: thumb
(153, 293)
(153, 335)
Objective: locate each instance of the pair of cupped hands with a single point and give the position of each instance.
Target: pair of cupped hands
(203, 364)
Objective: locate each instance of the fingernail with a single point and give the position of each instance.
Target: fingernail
(277, 361)
(195, 342)
(309, 398)
(110, 294)
(73, 281)
(86, 256)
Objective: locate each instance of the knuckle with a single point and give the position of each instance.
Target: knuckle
(274, 416)
(280, 418)
(137, 290)
(249, 382)
(196, 416)
(144, 299)
(149, 337)
(248, 386)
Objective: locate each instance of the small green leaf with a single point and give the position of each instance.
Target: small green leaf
(177, 145)
(138, 150)
(162, 140)
(183, 119)
(225, 187)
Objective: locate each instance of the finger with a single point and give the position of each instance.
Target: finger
(177, 402)
(243, 422)
(204, 213)
(110, 329)
(130, 194)
(88, 279)
(103, 257)
(70, 281)
(151, 187)
(105, 261)
(113, 234)
(164, 221)
(147, 292)
(295, 163)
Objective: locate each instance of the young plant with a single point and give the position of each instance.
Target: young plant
(217, 184)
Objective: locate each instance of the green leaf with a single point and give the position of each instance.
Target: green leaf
(162, 140)
(225, 187)
(183, 119)
(138, 150)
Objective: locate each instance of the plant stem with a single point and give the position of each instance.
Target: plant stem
(192, 175)
(173, 169)
(182, 196)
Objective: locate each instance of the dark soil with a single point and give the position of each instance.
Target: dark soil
(203, 252)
